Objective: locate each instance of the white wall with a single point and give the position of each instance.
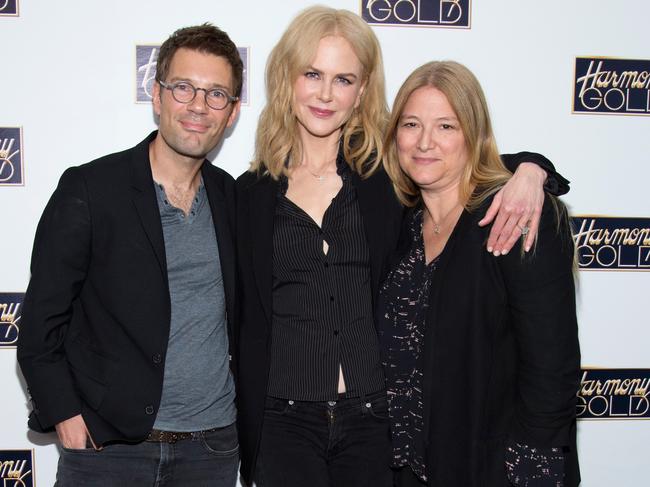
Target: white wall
(68, 79)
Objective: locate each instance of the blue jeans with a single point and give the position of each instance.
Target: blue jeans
(206, 459)
(344, 443)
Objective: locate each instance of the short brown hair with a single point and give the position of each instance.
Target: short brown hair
(205, 38)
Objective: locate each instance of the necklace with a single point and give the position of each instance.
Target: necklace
(436, 225)
(319, 177)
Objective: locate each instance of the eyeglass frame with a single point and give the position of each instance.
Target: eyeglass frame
(172, 86)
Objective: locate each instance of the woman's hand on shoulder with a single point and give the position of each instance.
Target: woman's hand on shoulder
(516, 210)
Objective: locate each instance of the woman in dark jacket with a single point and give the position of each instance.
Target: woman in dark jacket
(317, 221)
(481, 353)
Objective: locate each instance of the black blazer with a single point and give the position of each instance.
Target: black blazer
(256, 201)
(96, 314)
(501, 354)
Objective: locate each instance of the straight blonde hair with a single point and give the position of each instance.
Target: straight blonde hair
(484, 170)
(277, 142)
(484, 173)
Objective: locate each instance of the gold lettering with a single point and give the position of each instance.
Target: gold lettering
(645, 234)
(12, 470)
(8, 312)
(617, 236)
(588, 234)
(625, 387)
(589, 79)
(624, 79)
(643, 81)
(633, 237)
(627, 79)
(608, 388)
(9, 319)
(614, 387)
(603, 79)
(613, 82)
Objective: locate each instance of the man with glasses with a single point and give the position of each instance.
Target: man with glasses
(125, 331)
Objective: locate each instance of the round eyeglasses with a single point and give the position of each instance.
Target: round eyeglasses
(185, 92)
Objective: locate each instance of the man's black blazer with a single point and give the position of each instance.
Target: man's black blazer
(96, 314)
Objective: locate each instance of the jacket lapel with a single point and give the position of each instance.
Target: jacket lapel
(261, 214)
(222, 227)
(432, 340)
(374, 223)
(144, 199)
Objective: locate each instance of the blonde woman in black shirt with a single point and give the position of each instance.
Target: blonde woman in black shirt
(317, 220)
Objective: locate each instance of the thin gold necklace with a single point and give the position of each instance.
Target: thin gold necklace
(436, 225)
(319, 177)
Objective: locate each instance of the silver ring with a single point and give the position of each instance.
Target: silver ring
(524, 230)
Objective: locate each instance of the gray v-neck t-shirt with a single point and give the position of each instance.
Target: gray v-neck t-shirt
(198, 388)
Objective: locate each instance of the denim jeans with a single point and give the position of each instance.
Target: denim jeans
(343, 443)
(206, 459)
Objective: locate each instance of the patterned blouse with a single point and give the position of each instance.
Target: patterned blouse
(402, 304)
(402, 309)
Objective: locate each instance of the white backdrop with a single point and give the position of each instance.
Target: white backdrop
(68, 80)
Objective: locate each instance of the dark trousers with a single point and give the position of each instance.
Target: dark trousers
(344, 443)
(206, 459)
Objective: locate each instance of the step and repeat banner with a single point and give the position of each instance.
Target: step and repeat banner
(570, 80)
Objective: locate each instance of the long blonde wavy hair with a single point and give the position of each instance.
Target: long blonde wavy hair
(277, 141)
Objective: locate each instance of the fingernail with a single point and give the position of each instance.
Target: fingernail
(505, 252)
(497, 253)
(528, 248)
(490, 249)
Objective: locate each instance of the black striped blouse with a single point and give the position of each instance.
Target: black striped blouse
(322, 303)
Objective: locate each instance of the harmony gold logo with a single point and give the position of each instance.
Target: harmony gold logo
(10, 309)
(422, 13)
(612, 243)
(612, 86)
(17, 468)
(8, 8)
(614, 394)
(11, 161)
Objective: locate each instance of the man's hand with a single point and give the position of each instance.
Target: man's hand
(517, 207)
(73, 433)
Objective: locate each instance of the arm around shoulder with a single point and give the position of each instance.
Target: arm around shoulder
(555, 183)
